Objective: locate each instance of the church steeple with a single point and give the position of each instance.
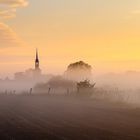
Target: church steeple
(36, 60)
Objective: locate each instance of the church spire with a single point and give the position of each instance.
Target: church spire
(37, 54)
(37, 60)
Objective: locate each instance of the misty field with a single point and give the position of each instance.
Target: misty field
(66, 118)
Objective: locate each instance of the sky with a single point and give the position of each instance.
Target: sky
(103, 33)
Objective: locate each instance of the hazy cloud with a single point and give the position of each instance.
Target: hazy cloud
(8, 7)
(8, 38)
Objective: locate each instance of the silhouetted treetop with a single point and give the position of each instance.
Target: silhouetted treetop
(79, 65)
(78, 71)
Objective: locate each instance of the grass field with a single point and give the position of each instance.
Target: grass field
(66, 118)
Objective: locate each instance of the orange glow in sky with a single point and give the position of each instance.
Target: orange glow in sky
(104, 33)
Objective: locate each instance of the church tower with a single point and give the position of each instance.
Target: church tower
(36, 61)
(37, 71)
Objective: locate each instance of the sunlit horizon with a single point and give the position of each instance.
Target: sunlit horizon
(104, 34)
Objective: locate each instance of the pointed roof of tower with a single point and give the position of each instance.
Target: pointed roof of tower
(37, 59)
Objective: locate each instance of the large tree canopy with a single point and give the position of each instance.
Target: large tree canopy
(79, 71)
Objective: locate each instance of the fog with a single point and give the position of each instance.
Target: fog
(123, 87)
(56, 109)
(129, 80)
(116, 87)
